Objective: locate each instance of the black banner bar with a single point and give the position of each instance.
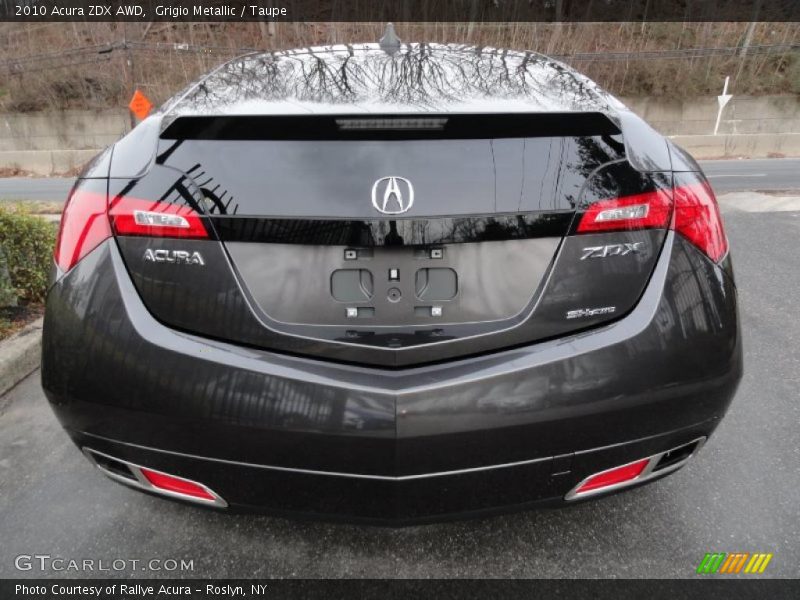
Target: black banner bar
(34, 11)
(705, 587)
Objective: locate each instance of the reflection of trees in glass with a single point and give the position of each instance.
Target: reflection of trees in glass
(424, 76)
(427, 77)
(578, 158)
(621, 179)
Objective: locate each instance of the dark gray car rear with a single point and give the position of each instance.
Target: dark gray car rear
(477, 350)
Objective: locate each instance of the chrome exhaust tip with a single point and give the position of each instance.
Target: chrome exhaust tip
(638, 471)
(151, 480)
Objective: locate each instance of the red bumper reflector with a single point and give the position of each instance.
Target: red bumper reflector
(614, 476)
(176, 484)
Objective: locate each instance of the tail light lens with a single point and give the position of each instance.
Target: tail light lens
(697, 219)
(134, 216)
(87, 221)
(650, 210)
(84, 223)
(696, 216)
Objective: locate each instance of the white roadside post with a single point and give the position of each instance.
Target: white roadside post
(722, 100)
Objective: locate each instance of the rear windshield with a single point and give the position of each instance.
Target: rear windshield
(455, 167)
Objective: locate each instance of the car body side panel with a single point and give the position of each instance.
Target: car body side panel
(99, 166)
(646, 149)
(134, 154)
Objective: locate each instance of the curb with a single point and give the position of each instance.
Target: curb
(20, 355)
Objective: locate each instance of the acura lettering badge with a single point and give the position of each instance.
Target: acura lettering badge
(390, 197)
(178, 257)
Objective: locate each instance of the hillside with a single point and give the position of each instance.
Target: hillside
(52, 66)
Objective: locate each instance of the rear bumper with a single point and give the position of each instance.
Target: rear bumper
(293, 434)
(395, 500)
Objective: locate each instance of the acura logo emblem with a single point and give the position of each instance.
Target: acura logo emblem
(392, 195)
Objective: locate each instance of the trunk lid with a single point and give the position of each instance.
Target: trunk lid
(390, 241)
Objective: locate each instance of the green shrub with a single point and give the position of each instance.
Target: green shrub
(26, 244)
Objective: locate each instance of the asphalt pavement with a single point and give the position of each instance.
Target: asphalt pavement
(49, 189)
(770, 174)
(764, 174)
(739, 495)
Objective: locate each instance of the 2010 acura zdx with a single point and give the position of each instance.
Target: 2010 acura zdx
(391, 282)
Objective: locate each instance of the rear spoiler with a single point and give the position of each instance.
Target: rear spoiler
(389, 126)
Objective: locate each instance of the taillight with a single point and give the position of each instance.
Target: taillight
(134, 216)
(697, 219)
(84, 224)
(649, 210)
(87, 220)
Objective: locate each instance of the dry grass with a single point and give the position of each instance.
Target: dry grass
(106, 80)
(33, 207)
(14, 171)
